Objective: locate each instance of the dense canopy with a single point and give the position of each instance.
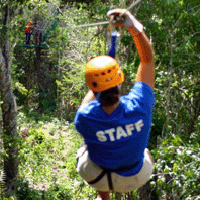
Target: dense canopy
(45, 78)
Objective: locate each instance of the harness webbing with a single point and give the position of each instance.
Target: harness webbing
(108, 172)
(98, 177)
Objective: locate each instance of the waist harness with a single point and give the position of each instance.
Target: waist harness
(108, 173)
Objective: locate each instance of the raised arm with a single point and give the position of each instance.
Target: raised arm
(146, 69)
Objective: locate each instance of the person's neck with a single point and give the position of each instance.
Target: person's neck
(110, 109)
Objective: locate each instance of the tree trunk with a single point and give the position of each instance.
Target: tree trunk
(44, 84)
(8, 106)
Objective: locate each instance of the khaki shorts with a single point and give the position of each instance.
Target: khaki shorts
(89, 171)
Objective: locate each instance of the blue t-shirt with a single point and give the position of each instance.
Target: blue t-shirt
(118, 139)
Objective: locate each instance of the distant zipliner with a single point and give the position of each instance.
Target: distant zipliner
(32, 28)
(40, 34)
(38, 30)
(28, 32)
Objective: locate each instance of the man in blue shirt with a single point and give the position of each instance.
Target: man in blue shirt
(116, 129)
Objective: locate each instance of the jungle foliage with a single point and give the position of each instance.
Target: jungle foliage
(48, 83)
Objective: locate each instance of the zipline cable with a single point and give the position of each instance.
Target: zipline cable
(134, 3)
(93, 24)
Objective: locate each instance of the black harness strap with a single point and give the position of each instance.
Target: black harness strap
(110, 184)
(108, 172)
(98, 178)
(105, 171)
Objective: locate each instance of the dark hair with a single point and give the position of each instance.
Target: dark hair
(110, 97)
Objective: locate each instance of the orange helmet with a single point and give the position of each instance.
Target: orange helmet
(103, 73)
